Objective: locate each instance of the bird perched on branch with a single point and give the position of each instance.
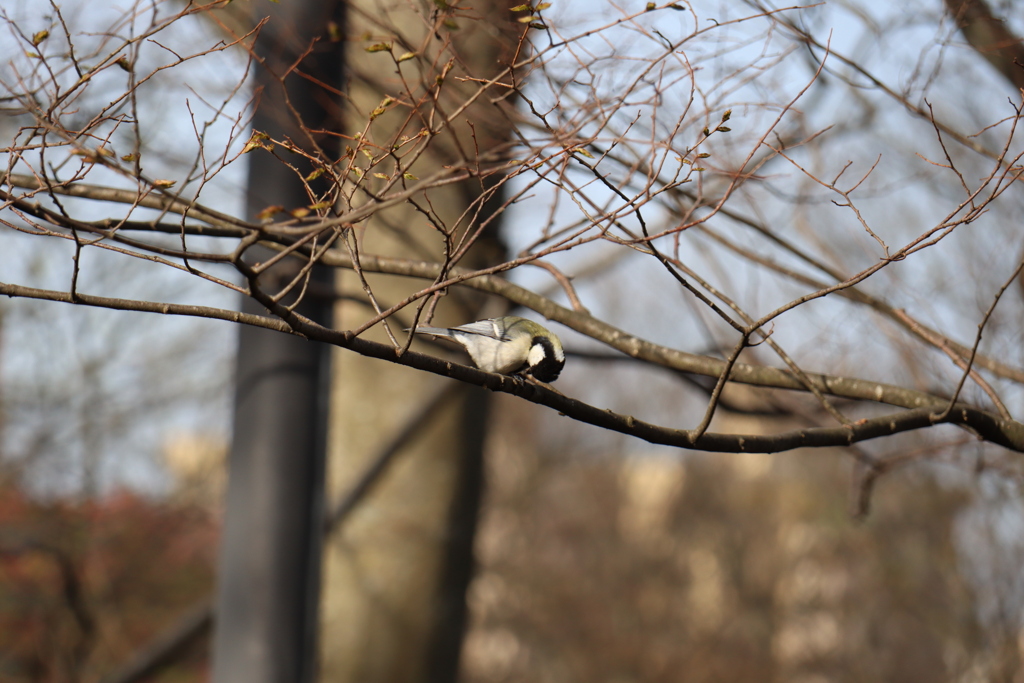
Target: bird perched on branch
(509, 345)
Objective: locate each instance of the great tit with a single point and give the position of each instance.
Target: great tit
(509, 345)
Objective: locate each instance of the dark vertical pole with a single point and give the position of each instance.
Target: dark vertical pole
(269, 571)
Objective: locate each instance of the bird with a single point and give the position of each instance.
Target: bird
(508, 345)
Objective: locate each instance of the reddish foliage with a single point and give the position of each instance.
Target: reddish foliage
(84, 584)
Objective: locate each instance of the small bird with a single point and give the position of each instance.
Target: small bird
(509, 345)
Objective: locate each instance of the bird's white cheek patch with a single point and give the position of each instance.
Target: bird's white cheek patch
(535, 356)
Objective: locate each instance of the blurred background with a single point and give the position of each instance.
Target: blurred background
(576, 554)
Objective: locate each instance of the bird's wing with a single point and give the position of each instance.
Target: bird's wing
(484, 328)
(438, 331)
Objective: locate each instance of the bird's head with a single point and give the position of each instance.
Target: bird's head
(546, 358)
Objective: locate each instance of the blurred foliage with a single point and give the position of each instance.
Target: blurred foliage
(84, 584)
(741, 568)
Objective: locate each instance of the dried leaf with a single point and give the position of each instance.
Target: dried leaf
(269, 212)
(40, 37)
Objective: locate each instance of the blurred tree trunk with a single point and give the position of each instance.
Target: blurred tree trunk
(396, 571)
(269, 570)
(989, 36)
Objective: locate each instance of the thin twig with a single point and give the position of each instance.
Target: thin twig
(977, 340)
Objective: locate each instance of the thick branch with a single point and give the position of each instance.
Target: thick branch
(1007, 433)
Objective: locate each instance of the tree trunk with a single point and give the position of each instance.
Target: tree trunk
(269, 572)
(397, 570)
